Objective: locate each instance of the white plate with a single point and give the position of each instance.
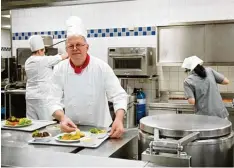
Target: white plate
(99, 135)
(60, 140)
(17, 126)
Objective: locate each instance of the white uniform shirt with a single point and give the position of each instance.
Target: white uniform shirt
(86, 95)
(39, 75)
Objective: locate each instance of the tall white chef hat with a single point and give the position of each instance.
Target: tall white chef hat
(75, 27)
(36, 43)
(191, 62)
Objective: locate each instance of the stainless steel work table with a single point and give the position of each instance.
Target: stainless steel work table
(126, 147)
(25, 157)
(17, 152)
(181, 106)
(12, 138)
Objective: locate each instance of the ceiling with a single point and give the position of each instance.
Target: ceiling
(15, 4)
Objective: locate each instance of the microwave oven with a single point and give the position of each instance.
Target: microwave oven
(132, 61)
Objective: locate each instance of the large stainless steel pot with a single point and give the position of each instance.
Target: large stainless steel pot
(212, 147)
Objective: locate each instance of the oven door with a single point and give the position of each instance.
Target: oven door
(129, 65)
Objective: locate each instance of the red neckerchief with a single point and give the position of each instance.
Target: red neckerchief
(79, 69)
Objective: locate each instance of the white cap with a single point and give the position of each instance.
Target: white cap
(36, 43)
(191, 62)
(75, 27)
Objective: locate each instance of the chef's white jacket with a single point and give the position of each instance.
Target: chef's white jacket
(39, 74)
(86, 95)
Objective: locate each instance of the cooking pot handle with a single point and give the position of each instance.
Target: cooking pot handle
(188, 138)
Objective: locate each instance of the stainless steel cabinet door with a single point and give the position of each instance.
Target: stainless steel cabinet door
(231, 117)
(219, 43)
(175, 43)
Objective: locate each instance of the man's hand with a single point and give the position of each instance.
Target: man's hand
(117, 129)
(67, 125)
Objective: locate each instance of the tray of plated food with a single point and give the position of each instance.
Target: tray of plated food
(24, 124)
(77, 139)
(17, 122)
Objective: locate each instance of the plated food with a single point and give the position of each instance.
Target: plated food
(17, 122)
(97, 131)
(70, 137)
(41, 136)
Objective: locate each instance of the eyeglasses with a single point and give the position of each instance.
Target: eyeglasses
(71, 47)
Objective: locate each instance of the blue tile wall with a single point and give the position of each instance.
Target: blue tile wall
(5, 48)
(93, 33)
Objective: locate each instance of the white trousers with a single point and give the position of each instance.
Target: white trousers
(37, 109)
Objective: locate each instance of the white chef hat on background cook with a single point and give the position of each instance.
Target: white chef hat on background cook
(36, 43)
(75, 27)
(191, 62)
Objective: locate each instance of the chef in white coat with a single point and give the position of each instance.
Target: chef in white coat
(86, 83)
(39, 74)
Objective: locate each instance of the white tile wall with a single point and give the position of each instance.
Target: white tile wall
(174, 76)
(148, 86)
(223, 88)
(222, 68)
(5, 42)
(173, 80)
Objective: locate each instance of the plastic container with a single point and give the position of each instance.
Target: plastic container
(141, 105)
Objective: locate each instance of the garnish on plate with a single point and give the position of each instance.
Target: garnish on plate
(97, 131)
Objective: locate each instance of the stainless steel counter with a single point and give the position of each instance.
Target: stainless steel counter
(170, 105)
(111, 147)
(25, 157)
(17, 152)
(167, 101)
(180, 105)
(11, 138)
